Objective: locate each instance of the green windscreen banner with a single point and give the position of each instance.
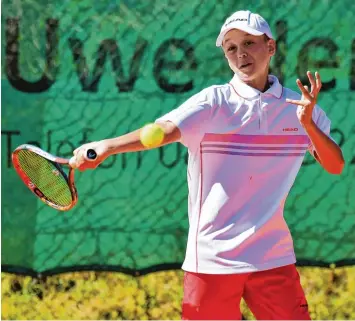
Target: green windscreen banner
(80, 71)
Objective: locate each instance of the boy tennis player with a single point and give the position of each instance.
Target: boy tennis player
(246, 141)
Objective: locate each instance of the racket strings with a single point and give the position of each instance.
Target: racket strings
(45, 175)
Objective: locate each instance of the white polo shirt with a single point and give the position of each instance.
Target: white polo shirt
(245, 150)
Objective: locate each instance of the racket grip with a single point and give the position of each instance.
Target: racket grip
(91, 154)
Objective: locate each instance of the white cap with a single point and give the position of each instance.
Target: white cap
(247, 21)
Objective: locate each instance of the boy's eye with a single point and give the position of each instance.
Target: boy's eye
(248, 43)
(231, 48)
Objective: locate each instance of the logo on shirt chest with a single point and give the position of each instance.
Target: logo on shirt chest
(290, 129)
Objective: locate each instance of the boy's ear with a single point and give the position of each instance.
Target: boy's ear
(272, 46)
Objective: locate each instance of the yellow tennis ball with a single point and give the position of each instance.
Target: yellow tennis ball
(151, 135)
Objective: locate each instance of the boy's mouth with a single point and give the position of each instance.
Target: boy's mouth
(245, 65)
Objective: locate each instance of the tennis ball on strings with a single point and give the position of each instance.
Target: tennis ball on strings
(151, 135)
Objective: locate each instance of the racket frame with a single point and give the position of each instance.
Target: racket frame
(55, 161)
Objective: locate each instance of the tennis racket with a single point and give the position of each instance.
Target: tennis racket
(44, 175)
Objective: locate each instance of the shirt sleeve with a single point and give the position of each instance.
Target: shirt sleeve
(192, 117)
(323, 123)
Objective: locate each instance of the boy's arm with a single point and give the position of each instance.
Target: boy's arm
(123, 144)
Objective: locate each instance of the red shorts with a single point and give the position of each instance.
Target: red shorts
(274, 294)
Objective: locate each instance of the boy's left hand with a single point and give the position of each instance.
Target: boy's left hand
(308, 99)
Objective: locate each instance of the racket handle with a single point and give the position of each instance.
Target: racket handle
(91, 154)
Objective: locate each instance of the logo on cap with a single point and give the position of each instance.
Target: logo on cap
(236, 19)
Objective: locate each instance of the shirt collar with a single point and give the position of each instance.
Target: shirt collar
(245, 91)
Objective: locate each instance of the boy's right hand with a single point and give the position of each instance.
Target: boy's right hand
(82, 162)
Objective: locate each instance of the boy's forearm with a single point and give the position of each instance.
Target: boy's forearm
(123, 144)
(329, 153)
(131, 142)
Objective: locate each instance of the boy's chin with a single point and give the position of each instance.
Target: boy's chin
(245, 76)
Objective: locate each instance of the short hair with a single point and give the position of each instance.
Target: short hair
(266, 37)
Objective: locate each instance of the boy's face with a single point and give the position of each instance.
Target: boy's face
(248, 56)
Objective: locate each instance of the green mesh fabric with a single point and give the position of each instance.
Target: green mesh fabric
(46, 176)
(79, 71)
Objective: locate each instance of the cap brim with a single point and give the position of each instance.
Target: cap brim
(239, 27)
